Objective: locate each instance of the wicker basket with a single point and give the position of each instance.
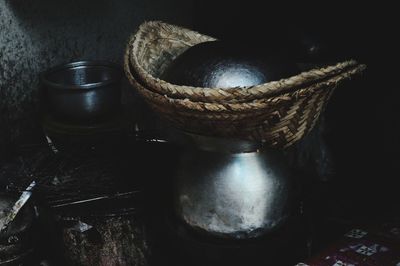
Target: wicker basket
(278, 113)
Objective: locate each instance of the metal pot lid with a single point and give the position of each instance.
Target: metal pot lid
(22, 221)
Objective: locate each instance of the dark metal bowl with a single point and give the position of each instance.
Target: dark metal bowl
(84, 90)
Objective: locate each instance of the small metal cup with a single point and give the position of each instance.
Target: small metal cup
(82, 91)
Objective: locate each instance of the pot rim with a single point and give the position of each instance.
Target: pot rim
(84, 63)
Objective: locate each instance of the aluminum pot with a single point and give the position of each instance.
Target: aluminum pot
(82, 91)
(230, 188)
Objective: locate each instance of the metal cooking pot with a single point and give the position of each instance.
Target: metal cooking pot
(230, 188)
(84, 90)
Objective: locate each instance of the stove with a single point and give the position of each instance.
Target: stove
(101, 203)
(89, 199)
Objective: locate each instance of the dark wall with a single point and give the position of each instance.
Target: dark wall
(36, 35)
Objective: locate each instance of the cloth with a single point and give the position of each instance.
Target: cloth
(379, 246)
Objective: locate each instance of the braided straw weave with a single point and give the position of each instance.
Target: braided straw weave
(278, 113)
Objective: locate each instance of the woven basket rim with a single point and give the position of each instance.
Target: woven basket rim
(278, 113)
(235, 107)
(313, 75)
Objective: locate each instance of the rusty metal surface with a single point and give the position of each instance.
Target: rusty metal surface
(107, 241)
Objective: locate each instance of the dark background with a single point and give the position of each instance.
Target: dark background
(361, 121)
